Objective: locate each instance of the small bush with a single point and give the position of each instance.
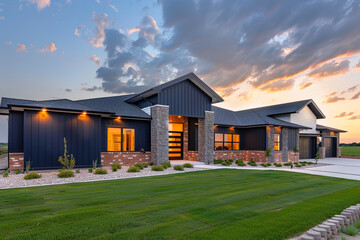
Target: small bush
(166, 165)
(240, 163)
(269, 164)
(230, 160)
(94, 164)
(133, 169)
(218, 161)
(145, 165)
(264, 164)
(288, 164)
(157, 168)
(252, 163)
(32, 175)
(151, 163)
(226, 163)
(278, 164)
(90, 170)
(188, 165)
(350, 230)
(66, 174)
(17, 171)
(77, 171)
(140, 165)
(5, 173)
(28, 165)
(298, 165)
(100, 171)
(115, 167)
(357, 224)
(179, 168)
(303, 163)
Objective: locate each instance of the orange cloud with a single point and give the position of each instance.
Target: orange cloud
(355, 117)
(41, 3)
(304, 85)
(96, 59)
(344, 114)
(21, 48)
(330, 69)
(49, 48)
(279, 85)
(132, 30)
(334, 99)
(356, 96)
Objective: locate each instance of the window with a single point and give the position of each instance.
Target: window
(227, 141)
(120, 139)
(176, 127)
(128, 139)
(114, 139)
(277, 142)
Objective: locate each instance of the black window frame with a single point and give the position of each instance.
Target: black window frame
(122, 138)
(223, 142)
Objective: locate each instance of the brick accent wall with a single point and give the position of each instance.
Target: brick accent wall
(257, 156)
(278, 156)
(192, 156)
(16, 161)
(245, 155)
(124, 158)
(293, 157)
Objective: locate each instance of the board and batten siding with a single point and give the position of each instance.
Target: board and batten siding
(16, 132)
(307, 118)
(44, 138)
(292, 138)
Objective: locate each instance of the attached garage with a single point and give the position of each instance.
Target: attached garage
(307, 147)
(330, 146)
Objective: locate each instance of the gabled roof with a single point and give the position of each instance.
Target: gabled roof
(190, 76)
(248, 118)
(292, 107)
(325, 128)
(59, 104)
(117, 105)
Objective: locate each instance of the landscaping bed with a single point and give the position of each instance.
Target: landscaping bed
(213, 204)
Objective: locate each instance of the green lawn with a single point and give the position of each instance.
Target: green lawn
(3, 148)
(350, 151)
(216, 204)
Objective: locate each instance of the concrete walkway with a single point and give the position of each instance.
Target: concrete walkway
(336, 167)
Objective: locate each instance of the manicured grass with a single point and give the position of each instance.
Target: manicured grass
(216, 204)
(3, 148)
(350, 151)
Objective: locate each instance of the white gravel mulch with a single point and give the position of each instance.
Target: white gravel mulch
(51, 178)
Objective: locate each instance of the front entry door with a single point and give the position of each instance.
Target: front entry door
(175, 141)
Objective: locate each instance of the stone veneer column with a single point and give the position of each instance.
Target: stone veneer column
(159, 134)
(270, 142)
(284, 144)
(206, 138)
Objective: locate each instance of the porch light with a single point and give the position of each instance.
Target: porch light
(43, 110)
(84, 113)
(118, 118)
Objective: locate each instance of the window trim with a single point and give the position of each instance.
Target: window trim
(122, 138)
(277, 142)
(223, 141)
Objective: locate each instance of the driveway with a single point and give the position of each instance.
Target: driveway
(3, 161)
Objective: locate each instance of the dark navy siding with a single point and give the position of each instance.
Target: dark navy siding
(150, 101)
(185, 99)
(220, 129)
(193, 134)
(44, 138)
(292, 140)
(253, 138)
(142, 132)
(16, 132)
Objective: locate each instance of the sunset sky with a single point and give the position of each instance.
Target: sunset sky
(253, 53)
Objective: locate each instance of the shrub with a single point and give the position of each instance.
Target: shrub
(90, 170)
(298, 165)
(218, 161)
(350, 230)
(94, 164)
(264, 164)
(6, 173)
(226, 163)
(357, 224)
(230, 160)
(133, 169)
(295, 150)
(240, 162)
(100, 171)
(252, 163)
(157, 168)
(179, 168)
(115, 167)
(77, 171)
(166, 165)
(28, 164)
(68, 161)
(267, 153)
(288, 164)
(32, 175)
(188, 165)
(17, 171)
(139, 165)
(303, 163)
(151, 163)
(278, 164)
(66, 174)
(269, 164)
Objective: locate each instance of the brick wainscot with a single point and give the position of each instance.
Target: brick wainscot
(16, 161)
(124, 158)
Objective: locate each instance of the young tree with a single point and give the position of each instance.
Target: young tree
(68, 161)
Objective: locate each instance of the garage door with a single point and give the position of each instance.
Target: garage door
(330, 147)
(307, 147)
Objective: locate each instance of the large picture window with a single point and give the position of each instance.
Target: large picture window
(120, 139)
(227, 141)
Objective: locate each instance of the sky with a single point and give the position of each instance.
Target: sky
(253, 53)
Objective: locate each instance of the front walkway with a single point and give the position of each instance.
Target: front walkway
(331, 167)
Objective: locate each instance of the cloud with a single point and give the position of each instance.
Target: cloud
(92, 89)
(8, 43)
(68, 90)
(244, 96)
(77, 31)
(305, 84)
(95, 59)
(344, 114)
(350, 89)
(21, 47)
(114, 8)
(334, 99)
(279, 85)
(102, 22)
(355, 117)
(356, 96)
(2, 17)
(331, 69)
(357, 65)
(49, 48)
(41, 3)
(132, 30)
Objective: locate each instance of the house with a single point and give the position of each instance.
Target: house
(175, 120)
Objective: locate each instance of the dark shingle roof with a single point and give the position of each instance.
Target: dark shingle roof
(190, 76)
(322, 128)
(116, 105)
